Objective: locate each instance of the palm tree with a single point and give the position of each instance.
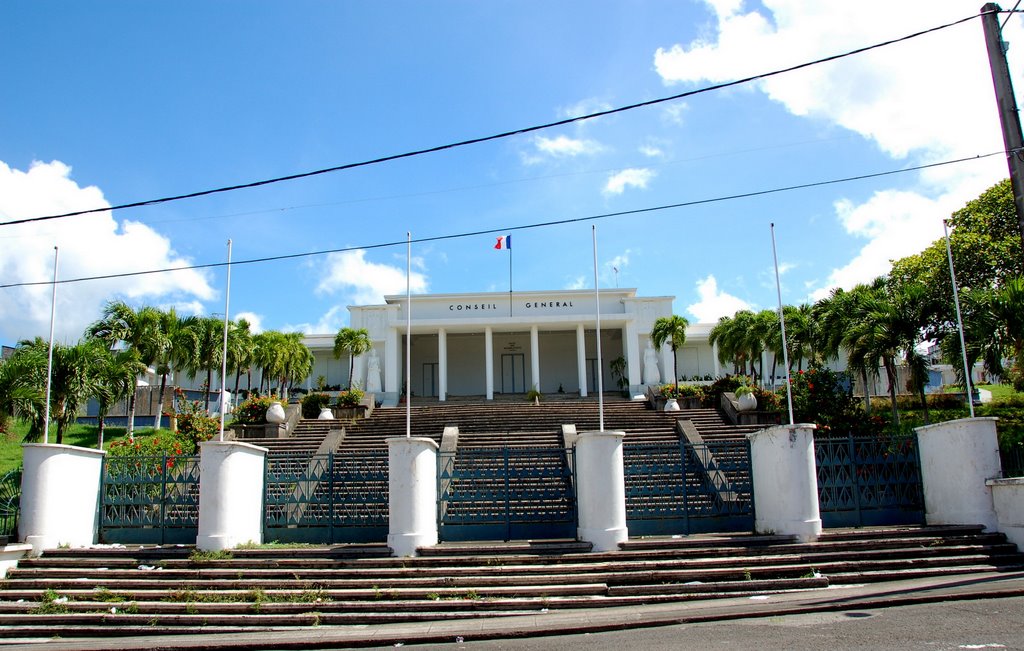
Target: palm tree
(115, 375)
(72, 379)
(673, 331)
(138, 329)
(209, 339)
(241, 349)
(177, 345)
(19, 395)
(354, 342)
(297, 361)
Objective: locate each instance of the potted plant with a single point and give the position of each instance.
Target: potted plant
(349, 404)
(533, 395)
(745, 398)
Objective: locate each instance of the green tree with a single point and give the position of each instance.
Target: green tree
(354, 342)
(19, 395)
(208, 334)
(176, 346)
(114, 381)
(241, 350)
(671, 330)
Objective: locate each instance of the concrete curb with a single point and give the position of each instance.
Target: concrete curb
(841, 598)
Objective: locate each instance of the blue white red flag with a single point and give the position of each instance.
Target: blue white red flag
(504, 242)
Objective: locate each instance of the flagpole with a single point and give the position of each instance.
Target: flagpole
(969, 393)
(597, 301)
(224, 352)
(408, 334)
(510, 278)
(49, 359)
(782, 323)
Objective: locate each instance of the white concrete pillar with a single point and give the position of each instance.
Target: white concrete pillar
(535, 357)
(668, 368)
(231, 477)
(1008, 500)
(632, 344)
(785, 481)
(601, 490)
(392, 348)
(412, 494)
(581, 358)
(714, 357)
(60, 494)
(956, 458)
(489, 362)
(442, 364)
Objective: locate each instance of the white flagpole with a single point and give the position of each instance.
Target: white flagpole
(408, 334)
(597, 300)
(49, 359)
(224, 351)
(782, 323)
(959, 322)
(509, 276)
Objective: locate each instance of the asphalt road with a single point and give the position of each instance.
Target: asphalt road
(983, 624)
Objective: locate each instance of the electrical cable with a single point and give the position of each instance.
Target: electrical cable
(497, 136)
(523, 227)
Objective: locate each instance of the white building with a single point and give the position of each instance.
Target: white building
(488, 343)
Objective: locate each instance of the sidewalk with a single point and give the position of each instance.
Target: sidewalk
(873, 595)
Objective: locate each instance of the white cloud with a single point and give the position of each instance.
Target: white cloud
(673, 113)
(619, 262)
(713, 303)
(330, 322)
(651, 151)
(928, 99)
(566, 147)
(255, 321)
(579, 282)
(636, 177)
(90, 245)
(364, 282)
(585, 107)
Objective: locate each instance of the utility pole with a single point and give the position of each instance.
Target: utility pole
(1009, 118)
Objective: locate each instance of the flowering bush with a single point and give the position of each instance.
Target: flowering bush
(713, 393)
(312, 404)
(195, 425)
(685, 391)
(822, 396)
(350, 398)
(253, 411)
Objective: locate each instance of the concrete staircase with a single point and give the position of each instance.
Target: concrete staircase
(118, 591)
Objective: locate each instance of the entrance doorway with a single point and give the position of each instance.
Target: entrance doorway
(592, 371)
(430, 379)
(513, 373)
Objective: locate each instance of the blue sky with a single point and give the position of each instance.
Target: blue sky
(115, 102)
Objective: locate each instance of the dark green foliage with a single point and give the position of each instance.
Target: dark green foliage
(253, 411)
(312, 403)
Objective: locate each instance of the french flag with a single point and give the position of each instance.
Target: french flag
(504, 242)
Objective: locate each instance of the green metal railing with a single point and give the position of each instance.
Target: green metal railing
(150, 499)
(10, 503)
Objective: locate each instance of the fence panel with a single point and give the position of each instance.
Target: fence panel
(151, 499)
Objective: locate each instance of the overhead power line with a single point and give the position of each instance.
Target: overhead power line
(521, 227)
(497, 136)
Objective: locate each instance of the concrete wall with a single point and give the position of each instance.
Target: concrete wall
(1008, 500)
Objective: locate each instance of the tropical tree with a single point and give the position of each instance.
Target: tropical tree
(114, 381)
(138, 330)
(177, 344)
(19, 396)
(296, 361)
(208, 334)
(241, 349)
(354, 342)
(671, 330)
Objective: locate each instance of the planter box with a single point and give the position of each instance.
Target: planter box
(265, 431)
(349, 413)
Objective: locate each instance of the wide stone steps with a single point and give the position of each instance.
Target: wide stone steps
(112, 591)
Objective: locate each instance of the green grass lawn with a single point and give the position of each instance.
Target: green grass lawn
(80, 435)
(1002, 391)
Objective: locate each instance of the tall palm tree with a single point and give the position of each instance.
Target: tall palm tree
(115, 375)
(671, 330)
(354, 342)
(177, 346)
(72, 378)
(209, 339)
(138, 330)
(240, 349)
(19, 393)
(297, 361)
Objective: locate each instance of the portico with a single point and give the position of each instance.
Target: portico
(493, 343)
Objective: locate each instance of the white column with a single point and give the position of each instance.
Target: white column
(632, 339)
(231, 476)
(392, 377)
(442, 364)
(489, 362)
(60, 494)
(714, 358)
(785, 479)
(581, 359)
(601, 490)
(667, 364)
(535, 357)
(956, 458)
(412, 494)
(1008, 499)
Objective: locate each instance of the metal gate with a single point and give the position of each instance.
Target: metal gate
(151, 500)
(10, 503)
(328, 498)
(506, 494)
(869, 481)
(683, 488)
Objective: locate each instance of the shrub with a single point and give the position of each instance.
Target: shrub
(312, 403)
(684, 391)
(713, 393)
(253, 411)
(350, 398)
(820, 395)
(195, 426)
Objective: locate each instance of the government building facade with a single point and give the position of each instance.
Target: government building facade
(483, 344)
